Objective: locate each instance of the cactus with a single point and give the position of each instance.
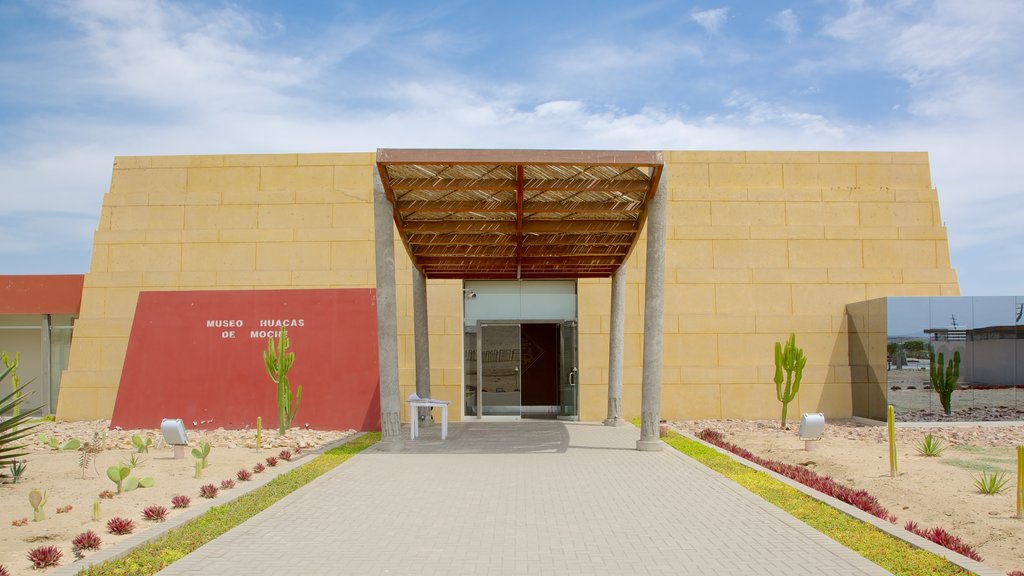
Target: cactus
(1020, 481)
(199, 469)
(278, 362)
(891, 424)
(944, 382)
(12, 367)
(96, 511)
(141, 446)
(117, 475)
(201, 453)
(259, 433)
(792, 360)
(37, 499)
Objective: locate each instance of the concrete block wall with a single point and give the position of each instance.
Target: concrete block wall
(762, 244)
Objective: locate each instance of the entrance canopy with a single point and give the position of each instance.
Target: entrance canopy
(509, 214)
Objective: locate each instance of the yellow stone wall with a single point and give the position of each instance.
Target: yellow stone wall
(230, 223)
(759, 244)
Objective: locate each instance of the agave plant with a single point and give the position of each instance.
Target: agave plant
(989, 483)
(11, 429)
(930, 446)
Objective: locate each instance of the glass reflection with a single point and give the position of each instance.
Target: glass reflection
(980, 337)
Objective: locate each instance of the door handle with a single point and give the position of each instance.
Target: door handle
(572, 377)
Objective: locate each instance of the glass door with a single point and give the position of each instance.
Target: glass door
(568, 373)
(498, 370)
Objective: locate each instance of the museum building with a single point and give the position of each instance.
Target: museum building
(520, 279)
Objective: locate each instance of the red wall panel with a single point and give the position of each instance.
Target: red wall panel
(198, 356)
(41, 294)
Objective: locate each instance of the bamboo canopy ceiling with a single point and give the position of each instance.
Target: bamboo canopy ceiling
(510, 214)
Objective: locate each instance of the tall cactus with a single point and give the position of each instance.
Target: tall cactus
(278, 363)
(944, 381)
(792, 360)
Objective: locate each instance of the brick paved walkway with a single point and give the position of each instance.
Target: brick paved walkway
(523, 498)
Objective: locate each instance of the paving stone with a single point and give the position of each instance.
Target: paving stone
(524, 497)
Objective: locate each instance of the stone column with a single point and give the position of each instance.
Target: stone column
(422, 339)
(387, 319)
(615, 348)
(654, 308)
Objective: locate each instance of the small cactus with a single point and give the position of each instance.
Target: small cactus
(64, 509)
(96, 511)
(944, 382)
(791, 360)
(117, 475)
(278, 362)
(20, 522)
(141, 445)
(108, 494)
(259, 433)
(37, 499)
(201, 453)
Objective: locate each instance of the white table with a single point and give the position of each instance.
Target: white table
(427, 403)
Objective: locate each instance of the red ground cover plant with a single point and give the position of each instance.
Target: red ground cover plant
(271, 461)
(208, 491)
(181, 501)
(943, 538)
(44, 556)
(285, 455)
(824, 484)
(259, 468)
(3, 571)
(118, 525)
(155, 513)
(858, 498)
(227, 484)
(87, 540)
(244, 475)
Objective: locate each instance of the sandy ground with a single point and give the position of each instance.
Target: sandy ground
(931, 491)
(59, 474)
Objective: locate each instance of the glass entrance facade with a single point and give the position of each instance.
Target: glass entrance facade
(520, 349)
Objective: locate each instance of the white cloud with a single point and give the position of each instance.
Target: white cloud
(711, 20)
(787, 21)
(174, 79)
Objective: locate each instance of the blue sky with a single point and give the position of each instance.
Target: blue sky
(83, 81)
